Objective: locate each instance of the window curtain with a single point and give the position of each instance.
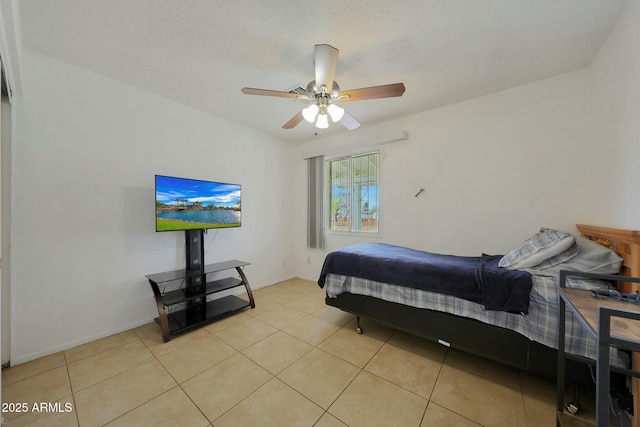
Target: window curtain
(315, 217)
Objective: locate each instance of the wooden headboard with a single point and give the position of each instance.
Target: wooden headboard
(625, 243)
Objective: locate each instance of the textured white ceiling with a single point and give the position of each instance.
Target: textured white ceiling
(202, 52)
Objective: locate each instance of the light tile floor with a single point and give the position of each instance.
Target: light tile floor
(291, 361)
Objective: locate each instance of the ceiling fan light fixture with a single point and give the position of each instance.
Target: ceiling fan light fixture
(309, 113)
(336, 112)
(320, 93)
(323, 121)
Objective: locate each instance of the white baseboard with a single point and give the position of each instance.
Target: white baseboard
(75, 343)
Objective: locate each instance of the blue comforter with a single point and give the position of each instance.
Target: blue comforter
(477, 279)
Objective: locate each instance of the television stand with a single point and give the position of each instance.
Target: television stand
(183, 307)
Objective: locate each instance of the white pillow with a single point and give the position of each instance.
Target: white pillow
(592, 257)
(538, 248)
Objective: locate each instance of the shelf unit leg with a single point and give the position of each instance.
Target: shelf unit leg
(561, 358)
(247, 287)
(162, 314)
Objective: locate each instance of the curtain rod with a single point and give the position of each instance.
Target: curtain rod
(341, 149)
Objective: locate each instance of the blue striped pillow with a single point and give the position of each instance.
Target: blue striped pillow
(540, 247)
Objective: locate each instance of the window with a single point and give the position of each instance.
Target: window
(352, 193)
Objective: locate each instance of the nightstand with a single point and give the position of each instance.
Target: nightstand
(611, 322)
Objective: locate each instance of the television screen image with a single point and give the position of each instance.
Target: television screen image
(187, 204)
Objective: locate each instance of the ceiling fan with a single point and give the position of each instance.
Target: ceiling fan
(321, 94)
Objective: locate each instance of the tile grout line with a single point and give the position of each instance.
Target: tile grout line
(154, 357)
(435, 383)
(238, 351)
(179, 385)
(524, 408)
(145, 402)
(273, 376)
(73, 394)
(361, 369)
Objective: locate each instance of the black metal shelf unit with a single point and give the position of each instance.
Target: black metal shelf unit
(184, 298)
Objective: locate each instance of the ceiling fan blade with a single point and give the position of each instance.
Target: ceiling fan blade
(326, 61)
(293, 122)
(349, 122)
(267, 92)
(373, 92)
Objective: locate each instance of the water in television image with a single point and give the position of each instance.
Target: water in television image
(185, 204)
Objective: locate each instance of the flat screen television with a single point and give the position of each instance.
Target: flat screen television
(191, 204)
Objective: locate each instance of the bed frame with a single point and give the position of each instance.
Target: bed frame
(479, 338)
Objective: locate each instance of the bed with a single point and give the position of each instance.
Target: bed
(474, 322)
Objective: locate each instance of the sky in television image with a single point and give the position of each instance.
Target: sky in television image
(177, 191)
(186, 203)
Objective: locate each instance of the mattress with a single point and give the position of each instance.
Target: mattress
(540, 324)
(477, 279)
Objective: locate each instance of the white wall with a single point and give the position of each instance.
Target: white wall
(616, 80)
(86, 153)
(552, 153)
(494, 169)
